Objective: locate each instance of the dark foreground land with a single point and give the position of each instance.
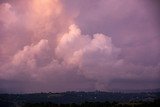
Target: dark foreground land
(81, 99)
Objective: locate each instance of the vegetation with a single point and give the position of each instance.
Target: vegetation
(81, 99)
(155, 103)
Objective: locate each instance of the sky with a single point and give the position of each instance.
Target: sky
(79, 45)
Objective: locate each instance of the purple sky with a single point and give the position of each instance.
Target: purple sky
(79, 45)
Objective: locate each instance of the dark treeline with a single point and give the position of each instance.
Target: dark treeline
(81, 99)
(155, 103)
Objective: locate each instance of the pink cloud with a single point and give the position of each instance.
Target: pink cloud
(43, 47)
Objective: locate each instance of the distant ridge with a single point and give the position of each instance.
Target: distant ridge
(136, 91)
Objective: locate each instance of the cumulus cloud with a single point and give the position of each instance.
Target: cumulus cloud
(74, 47)
(97, 58)
(43, 49)
(34, 55)
(8, 16)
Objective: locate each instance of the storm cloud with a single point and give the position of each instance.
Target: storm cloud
(60, 45)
